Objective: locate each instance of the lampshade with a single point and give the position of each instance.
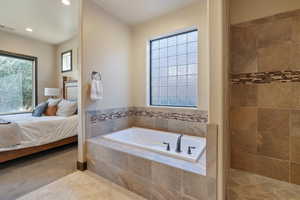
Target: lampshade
(52, 92)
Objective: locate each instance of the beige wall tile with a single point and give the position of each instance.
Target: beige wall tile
(243, 118)
(212, 150)
(139, 166)
(265, 118)
(122, 123)
(245, 140)
(273, 168)
(296, 29)
(243, 160)
(177, 126)
(273, 133)
(295, 149)
(274, 58)
(106, 170)
(88, 126)
(166, 176)
(119, 159)
(275, 144)
(161, 124)
(144, 122)
(196, 129)
(273, 32)
(295, 57)
(295, 173)
(278, 95)
(243, 95)
(98, 152)
(273, 120)
(296, 94)
(243, 38)
(243, 55)
(233, 195)
(295, 123)
(102, 128)
(199, 187)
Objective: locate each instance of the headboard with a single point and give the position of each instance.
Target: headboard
(70, 89)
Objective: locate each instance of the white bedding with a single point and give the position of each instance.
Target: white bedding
(36, 131)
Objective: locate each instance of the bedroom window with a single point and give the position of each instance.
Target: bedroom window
(66, 61)
(173, 70)
(17, 83)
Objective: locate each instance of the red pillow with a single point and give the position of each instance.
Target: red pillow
(51, 111)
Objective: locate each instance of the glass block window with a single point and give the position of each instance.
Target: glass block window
(174, 63)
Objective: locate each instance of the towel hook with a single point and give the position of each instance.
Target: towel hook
(96, 76)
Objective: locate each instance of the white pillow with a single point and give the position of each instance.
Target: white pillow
(66, 108)
(53, 102)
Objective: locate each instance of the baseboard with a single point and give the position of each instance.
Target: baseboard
(81, 166)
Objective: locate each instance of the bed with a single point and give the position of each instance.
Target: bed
(42, 133)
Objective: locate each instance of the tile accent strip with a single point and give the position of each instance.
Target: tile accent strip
(266, 77)
(188, 116)
(196, 116)
(109, 115)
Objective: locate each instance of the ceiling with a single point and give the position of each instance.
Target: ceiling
(51, 21)
(137, 11)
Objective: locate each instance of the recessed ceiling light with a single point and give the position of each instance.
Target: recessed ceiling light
(66, 2)
(29, 29)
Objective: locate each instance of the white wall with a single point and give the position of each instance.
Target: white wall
(106, 49)
(46, 54)
(194, 15)
(72, 44)
(246, 10)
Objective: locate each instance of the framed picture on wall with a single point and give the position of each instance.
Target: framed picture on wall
(66, 61)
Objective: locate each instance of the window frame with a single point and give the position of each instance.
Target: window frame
(71, 61)
(150, 70)
(34, 76)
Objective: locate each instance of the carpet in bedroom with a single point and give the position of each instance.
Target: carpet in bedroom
(27, 174)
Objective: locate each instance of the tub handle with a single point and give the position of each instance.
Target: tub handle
(168, 146)
(190, 149)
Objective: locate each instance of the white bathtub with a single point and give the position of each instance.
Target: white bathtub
(153, 140)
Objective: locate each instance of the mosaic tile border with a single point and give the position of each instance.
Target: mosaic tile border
(266, 77)
(195, 116)
(111, 114)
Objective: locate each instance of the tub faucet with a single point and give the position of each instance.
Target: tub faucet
(178, 147)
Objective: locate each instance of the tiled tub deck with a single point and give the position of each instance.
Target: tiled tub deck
(151, 175)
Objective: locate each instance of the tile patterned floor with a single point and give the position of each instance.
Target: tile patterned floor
(247, 186)
(79, 186)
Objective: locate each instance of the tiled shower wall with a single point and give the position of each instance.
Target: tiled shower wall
(265, 97)
(186, 121)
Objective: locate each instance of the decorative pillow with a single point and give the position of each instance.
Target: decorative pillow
(53, 102)
(66, 108)
(51, 110)
(40, 109)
